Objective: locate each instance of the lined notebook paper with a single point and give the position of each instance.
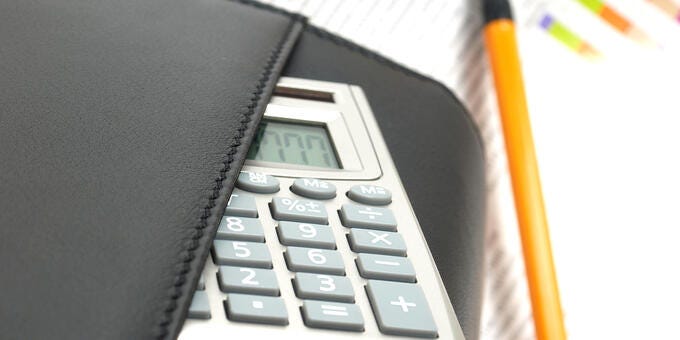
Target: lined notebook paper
(572, 99)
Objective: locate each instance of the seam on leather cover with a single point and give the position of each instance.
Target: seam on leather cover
(171, 315)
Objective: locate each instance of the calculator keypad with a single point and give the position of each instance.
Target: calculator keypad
(357, 216)
(323, 287)
(333, 315)
(298, 210)
(401, 309)
(377, 242)
(306, 235)
(370, 194)
(241, 204)
(247, 280)
(315, 260)
(257, 182)
(383, 267)
(313, 188)
(255, 308)
(200, 307)
(240, 229)
(318, 273)
(239, 253)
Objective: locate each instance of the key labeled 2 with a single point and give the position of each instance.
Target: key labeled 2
(247, 280)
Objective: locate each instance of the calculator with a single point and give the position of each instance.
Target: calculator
(319, 239)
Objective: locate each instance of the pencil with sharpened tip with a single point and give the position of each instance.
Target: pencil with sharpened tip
(568, 38)
(617, 21)
(501, 44)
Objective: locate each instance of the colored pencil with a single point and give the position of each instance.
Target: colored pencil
(501, 43)
(568, 38)
(616, 20)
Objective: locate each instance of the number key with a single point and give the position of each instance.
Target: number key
(241, 204)
(240, 229)
(306, 235)
(323, 287)
(240, 253)
(247, 280)
(314, 260)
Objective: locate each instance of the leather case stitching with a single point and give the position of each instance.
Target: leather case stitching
(189, 260)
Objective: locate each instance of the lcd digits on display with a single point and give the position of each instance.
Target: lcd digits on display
(293, 143)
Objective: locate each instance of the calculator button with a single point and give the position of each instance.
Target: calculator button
(313, 188)
(383, 267)
(241, 229)
(239, 253)
(323, 287)
(199, 308)
(241, 204)
(370, 194)
(314, 260)
(201, 283)
(401, 309)
(247, 280)
(257, 182)
(357, 216)
(333, 315)
(306, 235)
(254, 308)
(377, 242)
(291, 209)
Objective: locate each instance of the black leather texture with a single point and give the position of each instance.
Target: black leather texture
(122, 127)
(436, 149)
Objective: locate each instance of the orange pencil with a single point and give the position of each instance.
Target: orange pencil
(501, 44)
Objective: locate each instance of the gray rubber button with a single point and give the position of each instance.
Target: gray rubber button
(377, 242)
(247, 280)
(200, 307)
(313, 188)
(257, 182)
(306, 235)
(383, 267)
(240, 253)
(240, 229)
(333, 315)
(358, 216)
(241, 204)
(298, 210)
(401, 309)
(323, 287)
(254, 308)
(370, 194)
(201, 283)
(314, 260)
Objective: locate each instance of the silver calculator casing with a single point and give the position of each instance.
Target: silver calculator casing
(365, 159)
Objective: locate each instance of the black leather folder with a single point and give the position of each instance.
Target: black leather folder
(123, 125)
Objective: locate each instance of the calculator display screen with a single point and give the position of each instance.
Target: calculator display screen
(293, 143)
